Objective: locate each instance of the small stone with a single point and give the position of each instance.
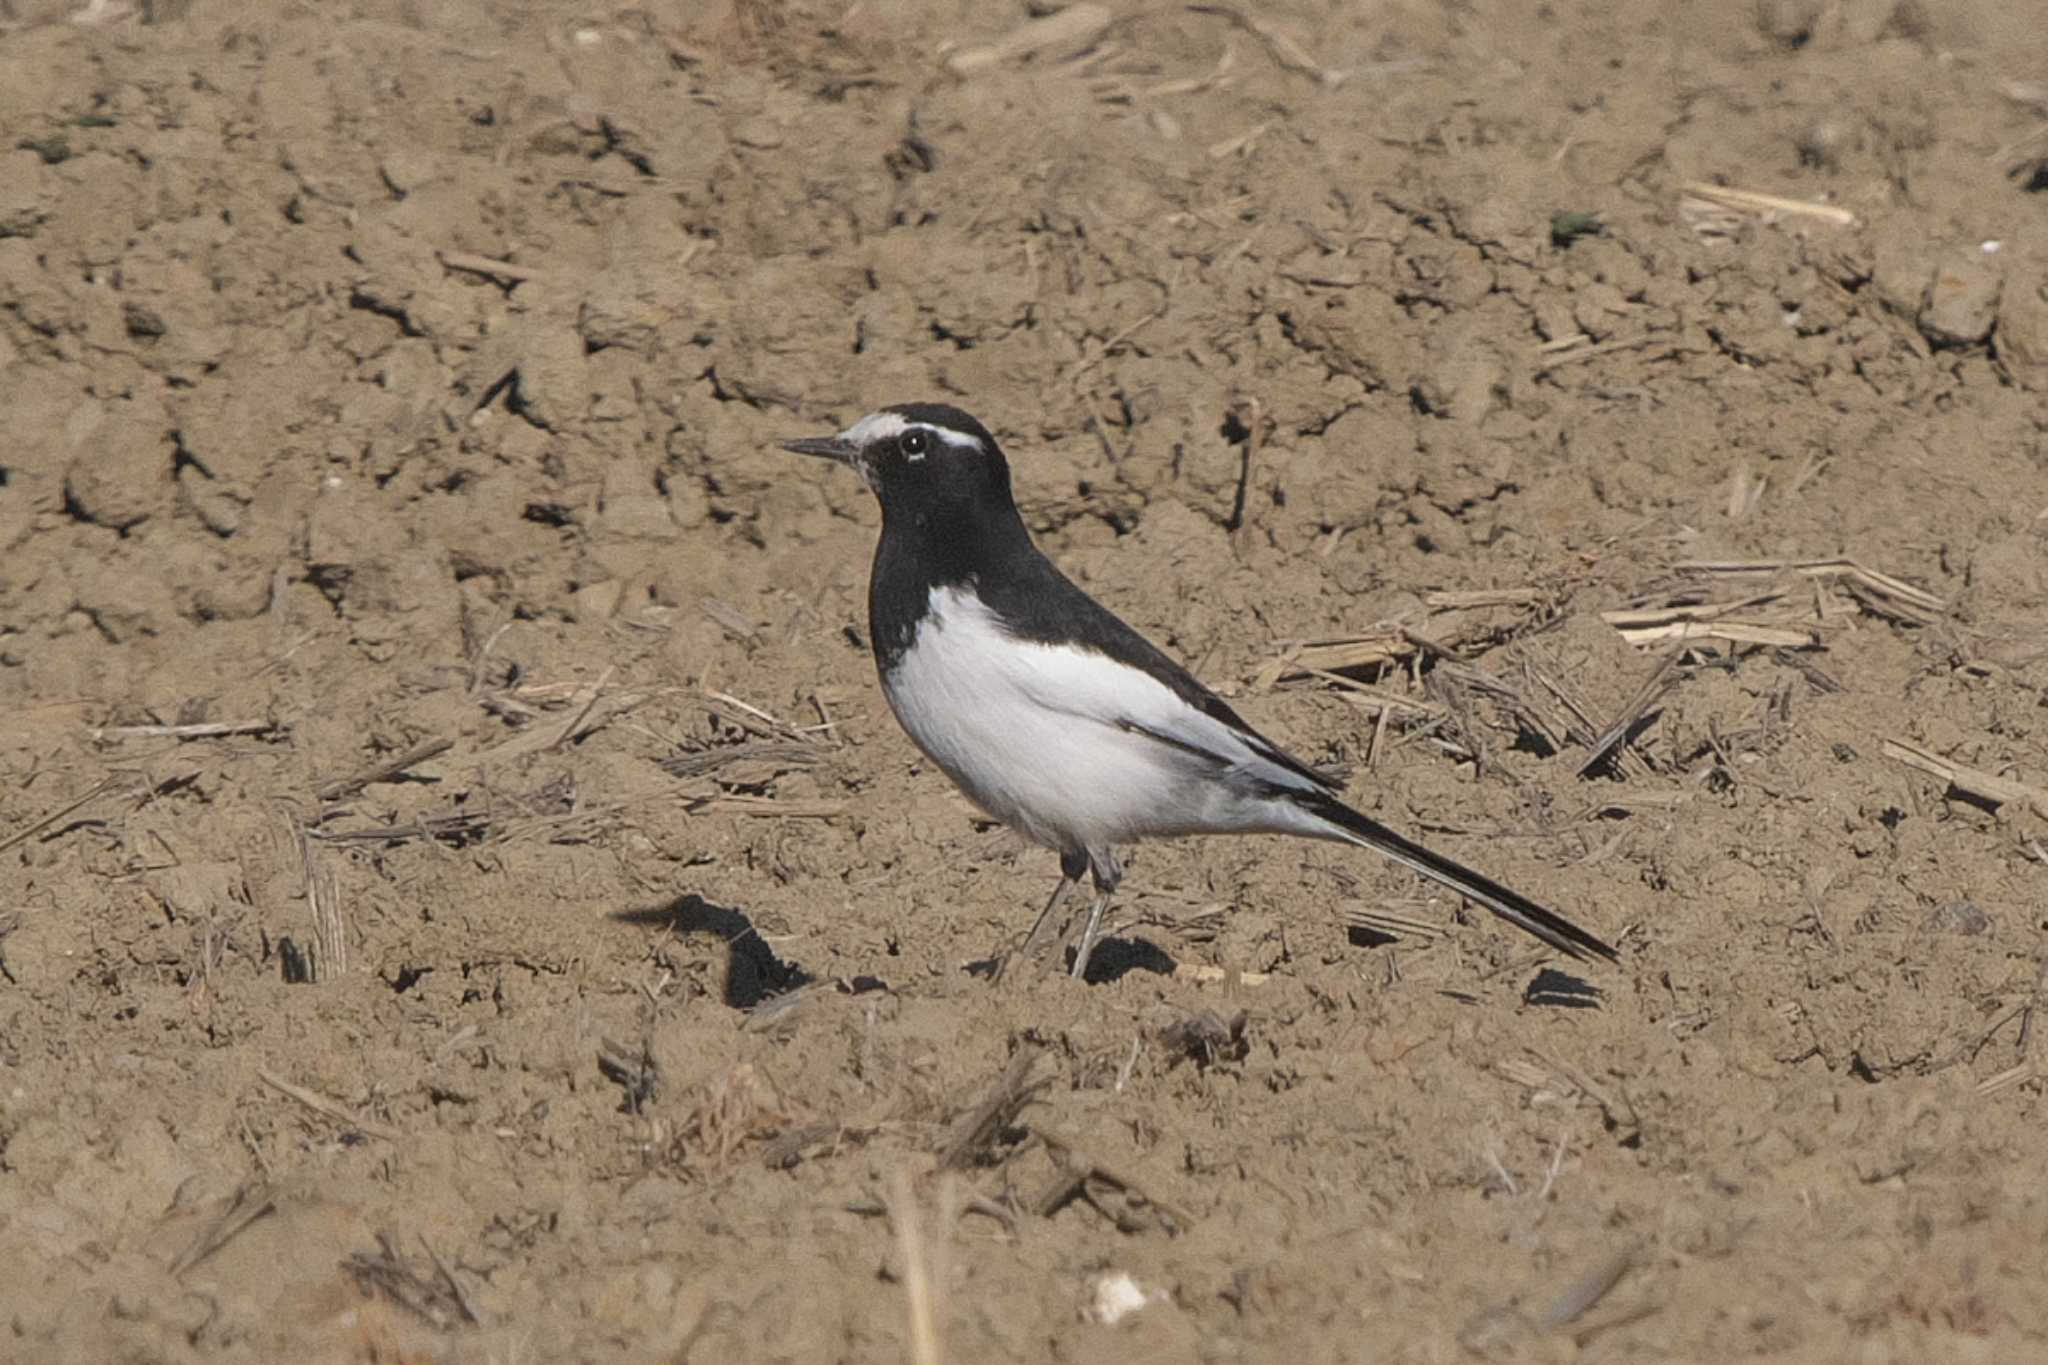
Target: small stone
(1898, 274)
(1957, 917)
(617, 311)
(218, 507)
(118, 477)
(1600, 310)
(596, 601)
(554, 376)
(1113, 1296)
(1962, 301)
(1554, 320)
(631, 504)
(759, 132)
(227, 596)
(405, 171)
(2022, 337)
(21, 496)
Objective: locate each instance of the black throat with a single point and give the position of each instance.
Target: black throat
(976, 541)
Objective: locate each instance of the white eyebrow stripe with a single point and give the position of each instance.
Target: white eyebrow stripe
(877, 426)
(874, 427)
(959, 440)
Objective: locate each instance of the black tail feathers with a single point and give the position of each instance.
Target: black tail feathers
(1512, 906)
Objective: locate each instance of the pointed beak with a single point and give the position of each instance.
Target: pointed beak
(835, 448)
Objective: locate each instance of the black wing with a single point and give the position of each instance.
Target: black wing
(1036, 602)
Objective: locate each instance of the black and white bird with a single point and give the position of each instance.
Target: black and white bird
(1054, 716)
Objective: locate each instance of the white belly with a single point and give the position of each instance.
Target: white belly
(1030, 732)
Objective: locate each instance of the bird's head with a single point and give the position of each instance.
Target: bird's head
(925, 459)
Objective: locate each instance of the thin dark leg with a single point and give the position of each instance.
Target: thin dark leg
(1087, 944)
(1072, 865)
(1108, 872)
(1031, 940)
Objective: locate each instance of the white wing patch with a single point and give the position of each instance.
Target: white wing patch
(1083, 683)
(1009, 721)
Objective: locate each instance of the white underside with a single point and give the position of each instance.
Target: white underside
(1036, 735)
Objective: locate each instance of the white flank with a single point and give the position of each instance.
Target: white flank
(1072, 748)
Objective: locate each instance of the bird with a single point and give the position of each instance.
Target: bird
(1053, 715)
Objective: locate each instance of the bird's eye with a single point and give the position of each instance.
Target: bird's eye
(915, 444)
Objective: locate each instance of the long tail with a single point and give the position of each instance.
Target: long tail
(1512, 906)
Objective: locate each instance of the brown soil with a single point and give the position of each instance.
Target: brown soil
(1272, 320)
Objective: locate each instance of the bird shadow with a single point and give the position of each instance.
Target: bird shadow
(1113, 959)
(753, 973)
(1553, 987)
(1116, 958)
(1550, 986)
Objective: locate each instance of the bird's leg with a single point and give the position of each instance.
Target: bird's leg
(1031, 940)
(1072, 865)
(1108, 872)
(1087, 944)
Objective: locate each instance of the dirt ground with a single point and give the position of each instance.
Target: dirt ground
(463, 897)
